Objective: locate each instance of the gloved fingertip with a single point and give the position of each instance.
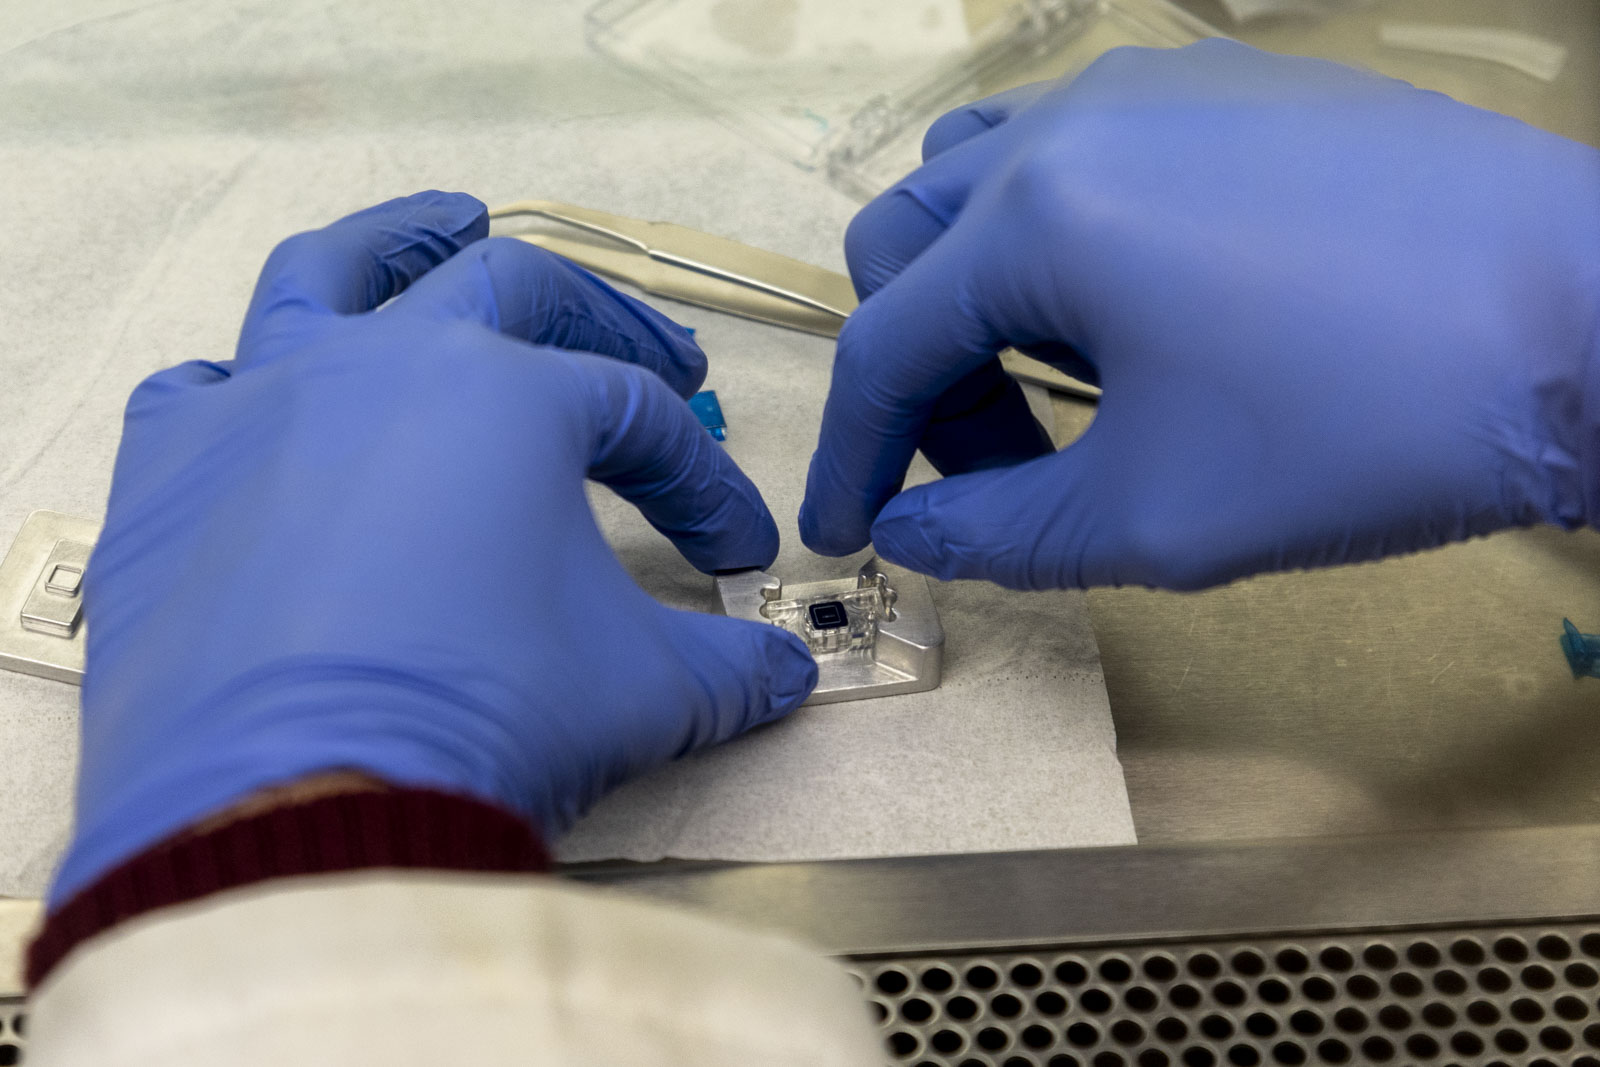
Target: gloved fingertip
(903, 535)
(753, 543)
(664, 346)
(166, 383)
(885, 236)
(791, 669)
(807, 522)
(587, 313)
(762, 549)
(826, 538)
(463, 213)
(687, 371)
(951, 129)
(453, 219)
(202, 372)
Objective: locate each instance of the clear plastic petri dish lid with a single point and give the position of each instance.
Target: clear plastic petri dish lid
(847, 88)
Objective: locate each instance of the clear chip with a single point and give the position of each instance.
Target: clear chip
(833, 621)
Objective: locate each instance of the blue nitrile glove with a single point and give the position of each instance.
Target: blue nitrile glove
(364, 544)
(1334, 317)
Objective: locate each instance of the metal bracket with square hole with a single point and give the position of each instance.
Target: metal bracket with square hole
(41, 596)
(874, 634)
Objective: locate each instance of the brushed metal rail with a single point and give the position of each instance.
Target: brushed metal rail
(1171, 892)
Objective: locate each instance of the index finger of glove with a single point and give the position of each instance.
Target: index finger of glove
(357, 263)
(899, 352)
(900, 223)
(542, 298)
(646, 444)
(963, 123)
(896, 226)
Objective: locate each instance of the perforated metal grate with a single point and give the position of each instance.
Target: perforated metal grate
(13, 1031)
(1522, 995)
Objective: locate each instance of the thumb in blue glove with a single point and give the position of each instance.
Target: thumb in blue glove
(364, 544)
(1334, 317)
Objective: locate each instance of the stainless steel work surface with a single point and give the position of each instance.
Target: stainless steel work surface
(1414, 693)
(1143, 892)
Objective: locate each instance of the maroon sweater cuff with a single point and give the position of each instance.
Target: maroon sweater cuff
(413, 828)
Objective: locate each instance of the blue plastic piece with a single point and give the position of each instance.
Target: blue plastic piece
(1583, 651)
(709, 412)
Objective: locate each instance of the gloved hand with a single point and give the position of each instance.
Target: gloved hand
(364, 544)
(1334, 317)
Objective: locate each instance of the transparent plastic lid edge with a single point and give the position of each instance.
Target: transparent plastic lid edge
(607, 30)
(1026, 31)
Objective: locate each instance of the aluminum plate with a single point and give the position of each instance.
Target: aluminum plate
(46, 655)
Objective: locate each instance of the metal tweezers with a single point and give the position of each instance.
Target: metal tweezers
(697, 268)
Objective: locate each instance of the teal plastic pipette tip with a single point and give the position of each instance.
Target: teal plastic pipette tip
(709, 412)
(1583, 651)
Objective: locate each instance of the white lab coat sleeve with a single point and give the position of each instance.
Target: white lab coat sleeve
(418, 967)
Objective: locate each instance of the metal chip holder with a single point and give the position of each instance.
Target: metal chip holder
(41, 596)
(874, 634)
